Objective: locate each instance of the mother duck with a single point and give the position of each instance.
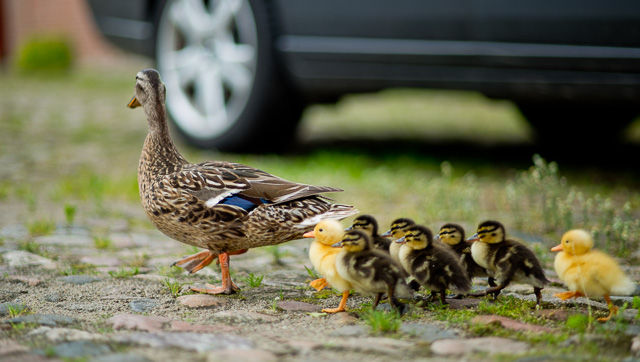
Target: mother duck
(223, 207)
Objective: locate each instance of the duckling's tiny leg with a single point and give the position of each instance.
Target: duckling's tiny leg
(568, 295)
(538, 293)
(343, 304)
(195, 262)
(613, 310)
(376, 301)
(319, 284)
(395, 303)
(491, 281)
(228, 287)
(442, 297)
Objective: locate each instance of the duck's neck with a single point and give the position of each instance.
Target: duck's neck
(160, 153)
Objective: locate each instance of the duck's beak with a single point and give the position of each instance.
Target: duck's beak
(309, 234)
(134, 103)
(436, 238)
(337, 245)
(473, 237)
(402, 240)
(557, 248)
(386, 233)
(349, 228)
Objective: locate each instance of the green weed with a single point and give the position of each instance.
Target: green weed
(16, 310)
(102, 243)
(312, 273)
(41, 227)
(30, 246)
(77, 269)
(381, 322)
(70, 211)
(124, 272)
(173, 286)
(253, 281)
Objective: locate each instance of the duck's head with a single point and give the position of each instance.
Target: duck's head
(417, 237)
(398, 227)
(355, 240)
(327, 232)
(366, 223)
(575, 242)
(150, 93)
(490, 232)
(451, 234)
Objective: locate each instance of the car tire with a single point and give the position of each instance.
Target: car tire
(224, 87)
(560, 126)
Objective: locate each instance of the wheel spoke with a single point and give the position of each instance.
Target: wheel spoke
(210, 95)
(186, 63)
(191, 17)
(223, 14)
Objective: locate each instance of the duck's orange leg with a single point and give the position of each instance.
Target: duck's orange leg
(613, 310)
(569, 294)
(341, 307)
(228, 287)
(319, 284)
(195, 262)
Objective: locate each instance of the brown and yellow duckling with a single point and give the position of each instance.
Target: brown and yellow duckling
(453, 235)
(370, 271)
(224, 207)
(369, 224)
(506, 260)
(323, 258)
(432, 264)
(588, 272)
(396, 231)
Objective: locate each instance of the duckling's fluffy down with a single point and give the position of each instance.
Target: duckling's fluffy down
(595, 274)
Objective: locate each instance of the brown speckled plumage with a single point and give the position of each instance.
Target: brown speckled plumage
(187, 201)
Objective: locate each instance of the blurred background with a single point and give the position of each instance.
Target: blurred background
(415, 108)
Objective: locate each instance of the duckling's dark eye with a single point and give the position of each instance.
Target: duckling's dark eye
(568, 241)
(493, 234)
(320, 230)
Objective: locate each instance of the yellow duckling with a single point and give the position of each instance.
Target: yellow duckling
(588, 272)
(323, 259)
(371, 271)
(506, 260)
(432, 264)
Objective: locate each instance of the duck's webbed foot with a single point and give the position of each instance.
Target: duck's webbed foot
(195, 262)
(228, 287)
(319, 284)
(568, 295)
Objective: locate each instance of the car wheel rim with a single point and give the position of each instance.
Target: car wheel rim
(207, 55)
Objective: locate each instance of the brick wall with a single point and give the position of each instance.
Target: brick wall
(72, 19)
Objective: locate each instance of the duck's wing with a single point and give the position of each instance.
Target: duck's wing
(262, 185)
(217, 182)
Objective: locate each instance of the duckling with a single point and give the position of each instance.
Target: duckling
(323, 258)
(397, 229)
(369, 224)
(371, 271)
(588, 272)
(433, 265)
(506, 260)
(224, 207)
(453, 236)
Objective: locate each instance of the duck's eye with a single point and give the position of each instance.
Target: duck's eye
(321, 230)
(493, 234)
(568, 241)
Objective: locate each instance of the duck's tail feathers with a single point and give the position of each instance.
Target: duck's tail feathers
(625, 287)
(335, 212)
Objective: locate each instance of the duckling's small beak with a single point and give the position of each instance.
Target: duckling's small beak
(309, 234)
(349, 228)
(473, 237)
(386, 233)
(134, 103)
(337, 245)
(436, 238)
(557, 248)
(402, 240)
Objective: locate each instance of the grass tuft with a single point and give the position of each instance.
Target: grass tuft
(381, 322)
(253, 281)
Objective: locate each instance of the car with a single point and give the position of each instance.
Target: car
(240, 72)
